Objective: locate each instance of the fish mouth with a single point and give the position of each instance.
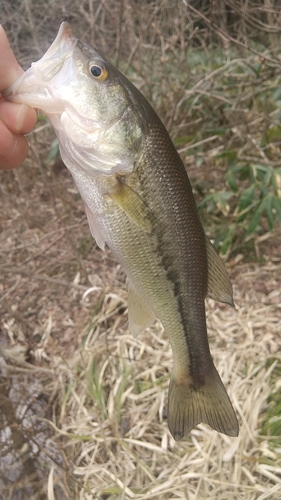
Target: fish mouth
(33, 86)
(63, 41)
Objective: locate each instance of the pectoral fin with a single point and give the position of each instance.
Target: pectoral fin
(140, 314)
(94, 228)
(219, 286)
(133, 205)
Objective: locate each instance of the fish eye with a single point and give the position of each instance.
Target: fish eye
(98, 71)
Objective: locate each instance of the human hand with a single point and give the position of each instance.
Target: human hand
(15, 119)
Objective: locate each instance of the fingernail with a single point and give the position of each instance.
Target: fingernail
(21, 116)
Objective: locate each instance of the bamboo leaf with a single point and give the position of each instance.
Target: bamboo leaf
(256, 218)
(276, 202)
(269, 211)
(228, 239)
(246, 202)
(231, 180)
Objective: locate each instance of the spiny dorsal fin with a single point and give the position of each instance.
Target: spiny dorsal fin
(219, 286)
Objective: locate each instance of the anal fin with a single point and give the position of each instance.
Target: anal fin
(140, 314)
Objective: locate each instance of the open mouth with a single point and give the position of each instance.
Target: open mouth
(33, 81)
(62, 43)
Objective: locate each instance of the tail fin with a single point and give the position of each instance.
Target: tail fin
(209, 403)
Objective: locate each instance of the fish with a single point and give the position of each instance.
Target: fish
(139, 202)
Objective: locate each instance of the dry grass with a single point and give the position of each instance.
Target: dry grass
(113, 417)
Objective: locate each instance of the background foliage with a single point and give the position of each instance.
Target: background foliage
(211, 69)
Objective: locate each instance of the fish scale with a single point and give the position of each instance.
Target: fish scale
(139, 202)
(190, 259)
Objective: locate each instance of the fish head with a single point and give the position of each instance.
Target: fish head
(88, 101)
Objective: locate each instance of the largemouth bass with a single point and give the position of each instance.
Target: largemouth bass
(139, 202)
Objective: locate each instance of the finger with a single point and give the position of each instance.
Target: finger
(19, 118)
(13, 148)
(10, 69)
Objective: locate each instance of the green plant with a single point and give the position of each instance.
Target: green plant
(271, 420)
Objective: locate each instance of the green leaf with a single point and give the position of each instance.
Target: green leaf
(246, 202)
(244, 171)
(230, 154)
(269, 211)
(184, 139)
(231, 180)
(264, 190)
(276, 94)
(264, 174)
(228, 239)
(276, 203)
(215, 130)
(276, 181)
(206, 200)
(273, 134)
(254, 222)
